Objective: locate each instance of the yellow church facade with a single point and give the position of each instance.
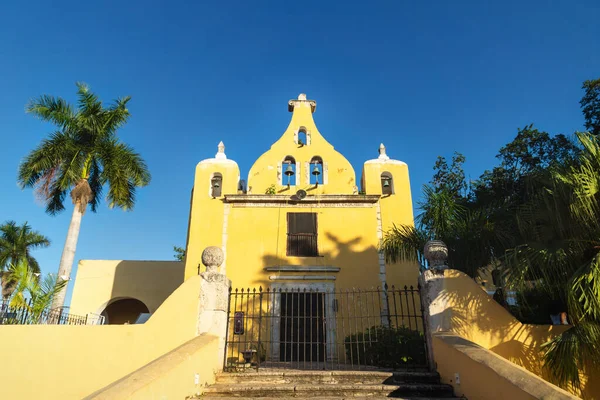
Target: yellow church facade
(303, 220)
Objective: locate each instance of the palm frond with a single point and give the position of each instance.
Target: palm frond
(41, 163)
(16, 243)
(124, 171)
(403, 243)
(584, 296)
(584, 179)
(566, 354)
(51, 109)
(440, 209)
(95, 182)
(90, 109)
(117, 115)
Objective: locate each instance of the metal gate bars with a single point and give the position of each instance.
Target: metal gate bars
(378, 328)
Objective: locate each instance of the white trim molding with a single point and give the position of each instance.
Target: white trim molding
(302, 277)
(300, 268)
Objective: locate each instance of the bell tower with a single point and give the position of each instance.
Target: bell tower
(215, 178)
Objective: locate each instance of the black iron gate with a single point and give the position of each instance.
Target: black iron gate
(379, 328)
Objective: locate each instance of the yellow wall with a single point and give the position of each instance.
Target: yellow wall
(99, 281)
(483, 375)
(253, 236)
(206, 216)
(341, 178)
(395, 209)
(70, 362)
(171, 376)
(474, 315)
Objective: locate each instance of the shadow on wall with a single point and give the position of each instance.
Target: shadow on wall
(477, 317)
(141, 287)
(474, 315)
(359, 265)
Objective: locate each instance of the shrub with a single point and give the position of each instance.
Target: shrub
(271, 190)
(386, 347)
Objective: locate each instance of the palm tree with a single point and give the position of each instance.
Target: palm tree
(560, 252)
(472, 236)
(83, 156)
(32, 292)
(16, 244)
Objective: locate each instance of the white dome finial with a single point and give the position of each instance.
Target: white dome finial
(302, 96)
(221, 151)
(382, 155)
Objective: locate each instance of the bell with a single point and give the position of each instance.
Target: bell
(316, 171)
(289, 171)
(386, 183)
(216, 184)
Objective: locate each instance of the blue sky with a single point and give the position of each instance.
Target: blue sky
(425, 78)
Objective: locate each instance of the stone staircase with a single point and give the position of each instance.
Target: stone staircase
(269, 384)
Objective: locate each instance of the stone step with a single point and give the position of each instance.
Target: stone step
(329, 377)
(332, 398)
(328, 390)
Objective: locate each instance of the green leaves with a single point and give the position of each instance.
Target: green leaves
(51, 109)
(84, 147)
(403, 243)
(27, 283)
(590, 105)
(568, 353)
(179, 253)
(17, 242)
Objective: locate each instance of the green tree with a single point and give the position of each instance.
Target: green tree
(32, 292)
(560, 253)
(590, 105)
(83, 156)
(179, 253)
(450, 178)
(472, 236)
(531, 155)
(16, 245)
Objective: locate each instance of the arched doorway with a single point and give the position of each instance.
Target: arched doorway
(124, 311)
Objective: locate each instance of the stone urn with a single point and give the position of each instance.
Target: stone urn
(212, 258)
(436, 253)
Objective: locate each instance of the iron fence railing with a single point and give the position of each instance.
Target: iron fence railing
(27, 315)
(305, 328)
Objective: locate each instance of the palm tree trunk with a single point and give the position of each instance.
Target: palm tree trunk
(68, 255)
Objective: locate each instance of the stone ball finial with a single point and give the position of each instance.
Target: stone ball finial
(302, 96)
(436, 253)
(212, 258)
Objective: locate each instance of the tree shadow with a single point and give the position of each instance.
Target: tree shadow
(471, 313)
(358, 264)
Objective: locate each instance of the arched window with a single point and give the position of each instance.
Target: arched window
(288, 168)
(387, 183)
(302, 137)
(316, 170)
(216, 185)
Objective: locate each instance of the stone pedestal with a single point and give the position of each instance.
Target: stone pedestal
(214, 297)
(432, 284)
